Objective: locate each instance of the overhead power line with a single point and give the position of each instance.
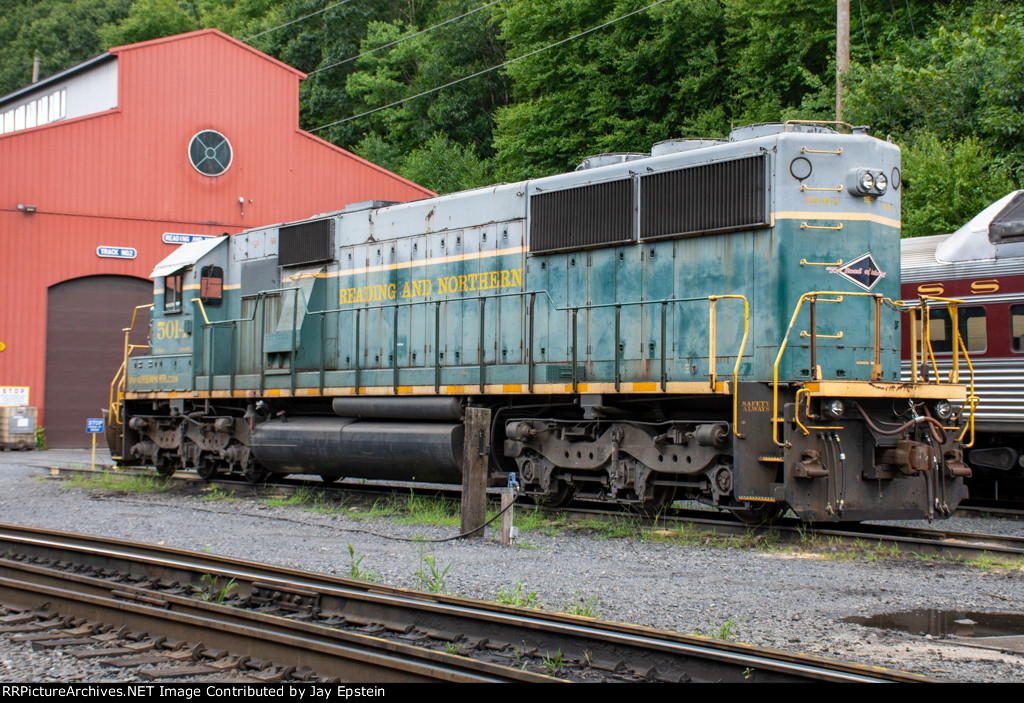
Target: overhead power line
(297, 19)
(399, 41)
(492, 68)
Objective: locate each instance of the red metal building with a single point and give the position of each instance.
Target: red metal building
(195, 134)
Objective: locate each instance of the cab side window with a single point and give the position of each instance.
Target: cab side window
(173, 291)
(211, 286)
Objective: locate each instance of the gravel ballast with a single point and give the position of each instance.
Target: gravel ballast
(779, 597)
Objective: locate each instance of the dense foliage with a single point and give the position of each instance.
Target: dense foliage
(525, 96)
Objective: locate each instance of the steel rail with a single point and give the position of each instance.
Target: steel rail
(608, 646)
(331, 653)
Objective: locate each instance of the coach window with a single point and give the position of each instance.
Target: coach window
(1017, 327)
(173, 291)
(211, 285)
(972, 329)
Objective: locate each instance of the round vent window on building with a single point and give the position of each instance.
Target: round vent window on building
(210, 153)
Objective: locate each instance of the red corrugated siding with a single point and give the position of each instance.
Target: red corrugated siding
(123, 178)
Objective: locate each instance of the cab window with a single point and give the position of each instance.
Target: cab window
(173, 292)
(211, 285)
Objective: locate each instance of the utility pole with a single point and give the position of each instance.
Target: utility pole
(842, 51)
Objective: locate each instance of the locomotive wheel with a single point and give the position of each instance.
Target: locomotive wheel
(207, 470)
(559, 496)
(165, 466)
(663, 498)
(255, 474)
(763, 513)
(328, 479)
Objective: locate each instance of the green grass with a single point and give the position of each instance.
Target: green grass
(518, 597)
(213, 589)
(725, 631)
(553, 663)
(411, 509)
(356, 570)
(585, 606)
(212, 493)
(431, 577)
(310, 499)
(110, 481)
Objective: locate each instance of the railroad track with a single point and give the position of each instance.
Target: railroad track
(936, 541)
(330, 628)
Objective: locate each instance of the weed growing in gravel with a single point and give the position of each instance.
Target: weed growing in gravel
(425, 510)
(310, 499)
(988, 562)
(212, 589)
(455, 648)
(357, 572)
(413, 510)
(585, 606)
(859, 550)
(518, 597)
(430, 577)
(688, 534)
(109, 481)
(612, 528)
(214, 493)
(553, 664)
(301, 496)
(725, 631)
(528, 518)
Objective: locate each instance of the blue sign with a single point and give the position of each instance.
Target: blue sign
(116, 252)
(94, 425)
(175, 238)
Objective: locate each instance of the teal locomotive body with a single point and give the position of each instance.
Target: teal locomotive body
(716, 320)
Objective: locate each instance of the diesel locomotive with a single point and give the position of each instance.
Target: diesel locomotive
(716, 320)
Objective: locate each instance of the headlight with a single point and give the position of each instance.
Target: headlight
(881, 183)
(943, 409)
(833, 408)
(867, 181)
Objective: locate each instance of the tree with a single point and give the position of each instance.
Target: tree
(946, 182)
(61, 33)
(639, 80)
(150, 19)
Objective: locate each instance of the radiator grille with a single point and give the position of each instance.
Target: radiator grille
(576, 218)
(306, 243)
(717, 197)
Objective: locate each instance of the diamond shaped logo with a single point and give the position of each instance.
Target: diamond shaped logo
(862, 271)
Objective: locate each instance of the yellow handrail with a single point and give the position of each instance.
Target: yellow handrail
(117, 385)
(958, 345)
(739, 356)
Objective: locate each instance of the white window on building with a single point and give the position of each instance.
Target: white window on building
(43, 110)
(36, 112)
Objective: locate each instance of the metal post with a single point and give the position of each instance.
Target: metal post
(617, 340)
(842, 50)
(529, 345)
(480, 305)
(475, 458)
(575, 380)
(664, 344)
